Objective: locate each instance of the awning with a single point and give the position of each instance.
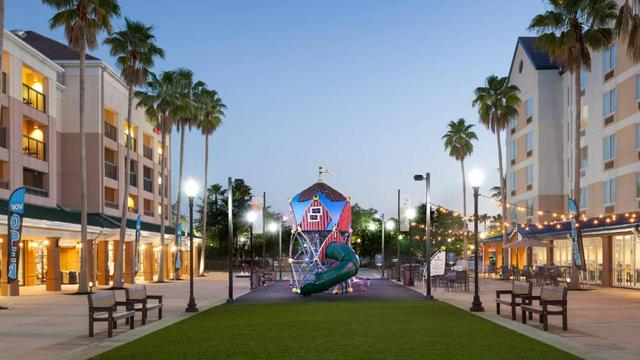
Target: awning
(529, 243)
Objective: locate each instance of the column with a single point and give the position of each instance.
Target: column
(6, 289)
(53, 264)
(103, 262)
(169, 261)
(607, 260)
(148, 262)
(129, 256)
(30, 253)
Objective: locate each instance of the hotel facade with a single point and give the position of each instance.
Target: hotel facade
(39, 149)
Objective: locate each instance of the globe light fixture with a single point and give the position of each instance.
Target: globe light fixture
(410, 213)
(273, 227)
(191, 188)
(390, 225)
(476, 178)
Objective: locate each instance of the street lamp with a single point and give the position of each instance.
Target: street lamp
(476, 177)
(427, 180)
(410, 214)
(251, 218)
(191, 190)
(272, 228)
(230, 299)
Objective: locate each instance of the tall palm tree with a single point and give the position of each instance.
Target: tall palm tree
(135, 50)
(628, 27)
(160, 99)
(83, 21)
(497, 104)
(216, 190)
(458, 141)
(211, 118)
(568, 32)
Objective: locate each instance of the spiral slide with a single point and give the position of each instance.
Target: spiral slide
(346, 268)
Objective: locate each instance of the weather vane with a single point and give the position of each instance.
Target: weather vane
(323, 170)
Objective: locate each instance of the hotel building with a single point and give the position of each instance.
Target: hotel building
(39, 149)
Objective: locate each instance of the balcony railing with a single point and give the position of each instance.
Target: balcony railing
(148, 152)
(149, 213)
(36, 191)
(133, 179)
(4, 184)
(3, 136)
(4, 82)
(110, 170)
(33, 148)
(110, 131)
(110, 204)
(34, 98)
(147, 185)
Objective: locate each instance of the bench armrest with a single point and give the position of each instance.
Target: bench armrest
(101, 309)
(553, 302)
(127, 304)
(531, 297)
(502, 292)
(155, 297)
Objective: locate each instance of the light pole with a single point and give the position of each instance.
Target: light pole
(410, 214)
(191, 190)
(427, 180)
(273, 227)
(251, 218)
(476, 177)
(230, 299)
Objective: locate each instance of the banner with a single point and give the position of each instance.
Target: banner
(16, 213)
(577, 248)
(405, 203)
(438, 261)
(257, 208)
(179, 246)
(137, 244)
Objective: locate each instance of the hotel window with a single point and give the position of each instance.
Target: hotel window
(512, 124)
(584, 198)
(637, 136)
(529, 141)
(584, 78)
(529, 174)
(626, 261)
(529, 107)
(593, 260)
(638, 185)
(512, 180)
(512, 150)
(637, 87)
(584, 157)
(609, 147)
(529, 208)
(609, 59)
(584, 117)
(562, 253)
(609, 192)
(609, 102)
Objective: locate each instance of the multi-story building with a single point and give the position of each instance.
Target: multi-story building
(39, 149)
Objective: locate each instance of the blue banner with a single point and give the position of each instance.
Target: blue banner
(577, 248)
(16, 213)
(179, 246)
(137, 244)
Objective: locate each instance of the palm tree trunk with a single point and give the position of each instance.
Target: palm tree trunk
(176, 274)
(575, 272)
(205, 200)
(117, 276)
(84, 269)
(506, 262)
(464, 207)
(163, 211)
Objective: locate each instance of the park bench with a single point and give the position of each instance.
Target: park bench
(104, 307)
(519, 294)
(138, 300)
(552, 301)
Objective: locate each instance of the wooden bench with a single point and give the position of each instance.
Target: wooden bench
(104, 307)
(137, 298)
(519, 294)
(552, 301)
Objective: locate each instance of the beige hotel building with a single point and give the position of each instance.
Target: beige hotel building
(39, 149)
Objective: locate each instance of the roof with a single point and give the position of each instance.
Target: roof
(539, 58)
(144, 226)
(320, 187)
(52, 49)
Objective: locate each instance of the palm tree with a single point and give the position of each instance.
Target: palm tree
(458, 141)
(496, 193)
(497, 104)
(211, 118)
(83, 21)
(568, 32)
(628, 27)
(135, 50)
(216, 190)
(160, 100)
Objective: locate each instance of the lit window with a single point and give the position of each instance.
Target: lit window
(609, 147)
(584, 116)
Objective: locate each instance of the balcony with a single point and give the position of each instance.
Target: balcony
(148, 152)
(110, 170)
(110, 131)
(33, 148)
(36, 191)
(111, 205)
(34, 98)
(147, 185)
(133, 179)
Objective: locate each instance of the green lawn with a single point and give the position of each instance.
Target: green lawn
(336, 330)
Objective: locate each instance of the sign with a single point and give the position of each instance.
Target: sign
(577, 248)
(405, 203)
(178, 246)
(438, 262)
(137, 242)
(16, 213)
(378, 260)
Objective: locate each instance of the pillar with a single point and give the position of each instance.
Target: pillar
(607, 260)
(129, 256)
(148, 262)
(29, 271)
(103, 262)
(53, 265)
(91, 261)
(169, 261)
(6, 289)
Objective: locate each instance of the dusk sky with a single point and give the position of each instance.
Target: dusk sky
(365, 88)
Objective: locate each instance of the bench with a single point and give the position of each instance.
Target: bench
(552, 301)
(104, 307)
(137, 299)
(519, 294)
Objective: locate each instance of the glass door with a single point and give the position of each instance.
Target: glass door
(626, 262)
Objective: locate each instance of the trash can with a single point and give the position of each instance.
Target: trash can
(407, 276)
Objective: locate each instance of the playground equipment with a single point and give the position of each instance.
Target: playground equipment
(320, 251)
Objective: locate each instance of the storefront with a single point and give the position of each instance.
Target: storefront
(626, 261)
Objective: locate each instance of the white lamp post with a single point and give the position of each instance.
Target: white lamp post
(251, 218)
(191, 190)
(410, 215)
(476, 177)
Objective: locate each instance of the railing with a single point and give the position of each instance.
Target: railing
(147, 185)
(34, 98)
(110, 204)
(36, 191)
(149, 213)
(33, 148)
(110, 170)
(110, 131)
(4, 82)
(148, 152)
(3, 136)
(133, 179)
(4, 184)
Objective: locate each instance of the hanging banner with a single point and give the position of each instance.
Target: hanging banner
(16, 213)
(577, 248)
(257, 207)
(178, 246)
(438, 262)
(405, 203)
(137, 244)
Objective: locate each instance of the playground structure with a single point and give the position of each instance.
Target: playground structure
(320, 252)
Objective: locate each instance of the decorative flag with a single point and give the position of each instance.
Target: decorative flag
(138, 219)
(576, 238)
(179, 246)
(16, 213)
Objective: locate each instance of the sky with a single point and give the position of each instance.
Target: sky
(364, 88)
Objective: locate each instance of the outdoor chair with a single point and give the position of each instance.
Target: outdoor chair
(450, 277)
(137, 299)
(461, 280)
(104, 307)
(552, 301)
(520, 294)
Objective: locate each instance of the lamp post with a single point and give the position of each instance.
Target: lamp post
(390, 225)
(476, 177)
(410, 214)
(273, 227)
(427, 180)
(191, 190)
(251, 218)
(230, 299)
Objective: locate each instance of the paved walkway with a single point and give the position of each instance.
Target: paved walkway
(604, 323)
(41, 325)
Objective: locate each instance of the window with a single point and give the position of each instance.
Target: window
(529, 107)
(609, 147)
(584, 198)
(609, 192)
(637, 136)
(512, 124)
(638, 185)
(637, 87)
(529, 174)
(512, 150)
(529, 140)
(314, 214)
(584, 78)
(609, 102)
(584, 116)
(584, 157)
(609, 59)
(512, 180)
(529, 207)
